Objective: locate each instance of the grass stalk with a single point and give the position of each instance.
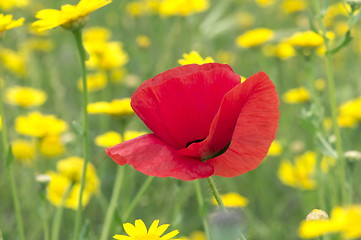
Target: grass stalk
(113, 203)
(137, 197)
(10, 169)
(79, 43)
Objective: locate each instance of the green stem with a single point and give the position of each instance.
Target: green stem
(16, 201)
(79, 43)
(14, 189)
(336, 129)
(113, 203)
(201, 204)
(55, 228)
(44, 218)
(216, 193)
(137, 197)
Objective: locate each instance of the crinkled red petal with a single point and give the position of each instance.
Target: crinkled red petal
(180, 104)
(249, 119)
(151, 156)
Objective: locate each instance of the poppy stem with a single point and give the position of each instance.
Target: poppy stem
(216, 193)
(201, 205)
(85, 133)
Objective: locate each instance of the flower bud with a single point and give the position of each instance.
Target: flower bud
(317, 214)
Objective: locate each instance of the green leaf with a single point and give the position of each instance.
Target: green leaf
(77, 128)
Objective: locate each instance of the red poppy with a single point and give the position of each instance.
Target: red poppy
(204, 121)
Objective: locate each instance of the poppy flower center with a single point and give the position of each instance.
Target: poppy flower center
(195, 141)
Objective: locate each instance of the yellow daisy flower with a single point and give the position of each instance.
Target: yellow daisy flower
(254, 38)
(139, 231)
(25, 96)
(118, 107)
(38, 125)
(70, 16)
(296, 95)
(23, 150)
(66, 183)
(11, 4)
(194, 58)
(182, 7)
(7, 22)
(232, 200)
(344, 220)
(275, 149)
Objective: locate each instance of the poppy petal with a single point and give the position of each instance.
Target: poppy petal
(151, 156)
(251, 131)
(179, 110)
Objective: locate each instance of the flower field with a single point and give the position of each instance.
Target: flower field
(180, 119)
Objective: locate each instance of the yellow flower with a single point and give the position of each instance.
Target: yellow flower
(112, 138)
(345, 220)
(346, 121)
(51, 146)
(296, 95)
(139, 231)
(7, 22)
(232, 200)
(182, 7)
(10, 4)
(301, 173)
(119, 107)
(292, 6)
(70, 16)
(349, 113)
(108, 139)
(95, 82)
(105, 55)
(72, 168)
(352, 108)
(25, 96)
(334, 11)
(282, 50)
(1, 123)
(23, 150)
(64, 185)
(275, 149)
(254, 37)
(13, 61)
(265, 3)
(143, 41)
(194, 58)
(96, 34)
(61, 191)
(308, 39)
(38, 125)
(128, 135)
(136, 8)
